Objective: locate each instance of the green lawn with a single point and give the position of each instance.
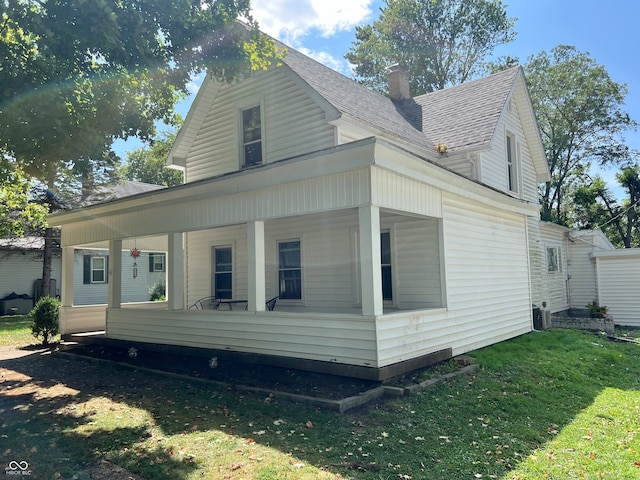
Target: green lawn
(15, 331)
(559, 404)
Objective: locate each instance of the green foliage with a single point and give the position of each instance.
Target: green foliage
(594, 206)
(78, 74)
(45, 319)
(441, 42)
(19, 214)
(147, 164)
(157, 292)
(597, 311)
(581, 118)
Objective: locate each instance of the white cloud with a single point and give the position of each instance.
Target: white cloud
(288, 20)
(194, 84)
(327, 59)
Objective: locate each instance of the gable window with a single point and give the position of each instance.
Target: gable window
(251, 136)
(553, 260)
(95, 269)
(512, 163)
(222, 272)
(156, 262)
(385, 261)
(289, 270)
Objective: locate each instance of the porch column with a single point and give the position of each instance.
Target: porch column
(370, 267)
(256, 268)
(114, 288)
(175, 272)
(66, 289)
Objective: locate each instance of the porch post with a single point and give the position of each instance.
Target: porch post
(175, 272)
(256, 268)
(370, 266)
(114, 288)
(66, 289)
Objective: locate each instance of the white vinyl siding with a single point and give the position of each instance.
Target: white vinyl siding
(494, 170)
(487, 288)
(554, 276)
(293, 124)
(618, 285)
(24, 270)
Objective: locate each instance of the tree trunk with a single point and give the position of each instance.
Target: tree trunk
(45, 289)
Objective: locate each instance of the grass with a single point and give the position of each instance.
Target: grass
(16, 331)
(560, 405)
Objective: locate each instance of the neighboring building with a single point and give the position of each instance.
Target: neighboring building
(392, 229)
(21, 265)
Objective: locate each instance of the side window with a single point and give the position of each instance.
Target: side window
(553, 260)
(156, 262)
(385, 260)
(289, 270)
(512, 163)
(251, 136)
(95, 269)
(223, 272)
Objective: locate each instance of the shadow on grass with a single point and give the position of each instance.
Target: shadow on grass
(526, 390)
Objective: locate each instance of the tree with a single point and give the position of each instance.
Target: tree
(147, 164)
(580, 114)
(595, 207)
(20, 214)
(441, 42)
(77, 74)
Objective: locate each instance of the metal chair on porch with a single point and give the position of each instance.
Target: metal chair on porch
(271, 304)
(206, 303)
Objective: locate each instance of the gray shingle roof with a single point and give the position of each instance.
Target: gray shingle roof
(461, 116)
(466, 115)
(353, 99)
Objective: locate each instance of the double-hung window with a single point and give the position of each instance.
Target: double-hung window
(251, 136)
(223, 272)
(289, 270)
(156, 262)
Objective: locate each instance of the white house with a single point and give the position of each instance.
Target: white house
(391, 229)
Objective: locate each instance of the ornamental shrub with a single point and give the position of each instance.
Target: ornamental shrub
(45, 319)
(157, 292)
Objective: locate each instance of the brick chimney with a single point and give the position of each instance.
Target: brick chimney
(398, 79)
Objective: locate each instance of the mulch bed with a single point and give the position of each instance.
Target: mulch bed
(234, 373)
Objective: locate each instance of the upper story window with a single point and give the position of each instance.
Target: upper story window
(512, 163)
(251, 136)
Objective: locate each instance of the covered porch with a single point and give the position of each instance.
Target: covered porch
(357, 269)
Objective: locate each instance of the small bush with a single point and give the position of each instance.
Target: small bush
(157, 292)
(45, 319)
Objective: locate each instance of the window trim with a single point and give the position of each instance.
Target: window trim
(152, 262)
(512, 162)
(92, 269)
(300, 269)
(554, 252)
(241, 108)
(214, 272)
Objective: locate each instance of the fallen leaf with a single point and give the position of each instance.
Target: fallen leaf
(309, 424)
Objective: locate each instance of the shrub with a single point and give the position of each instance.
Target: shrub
(45, 319)
(157, 292)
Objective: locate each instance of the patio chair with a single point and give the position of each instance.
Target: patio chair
(271, 304)
(206, 303)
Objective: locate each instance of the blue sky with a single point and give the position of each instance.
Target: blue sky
(609, 31)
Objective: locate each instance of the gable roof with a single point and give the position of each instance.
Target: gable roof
(350, 98)
(463, 116)
(466, 115)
